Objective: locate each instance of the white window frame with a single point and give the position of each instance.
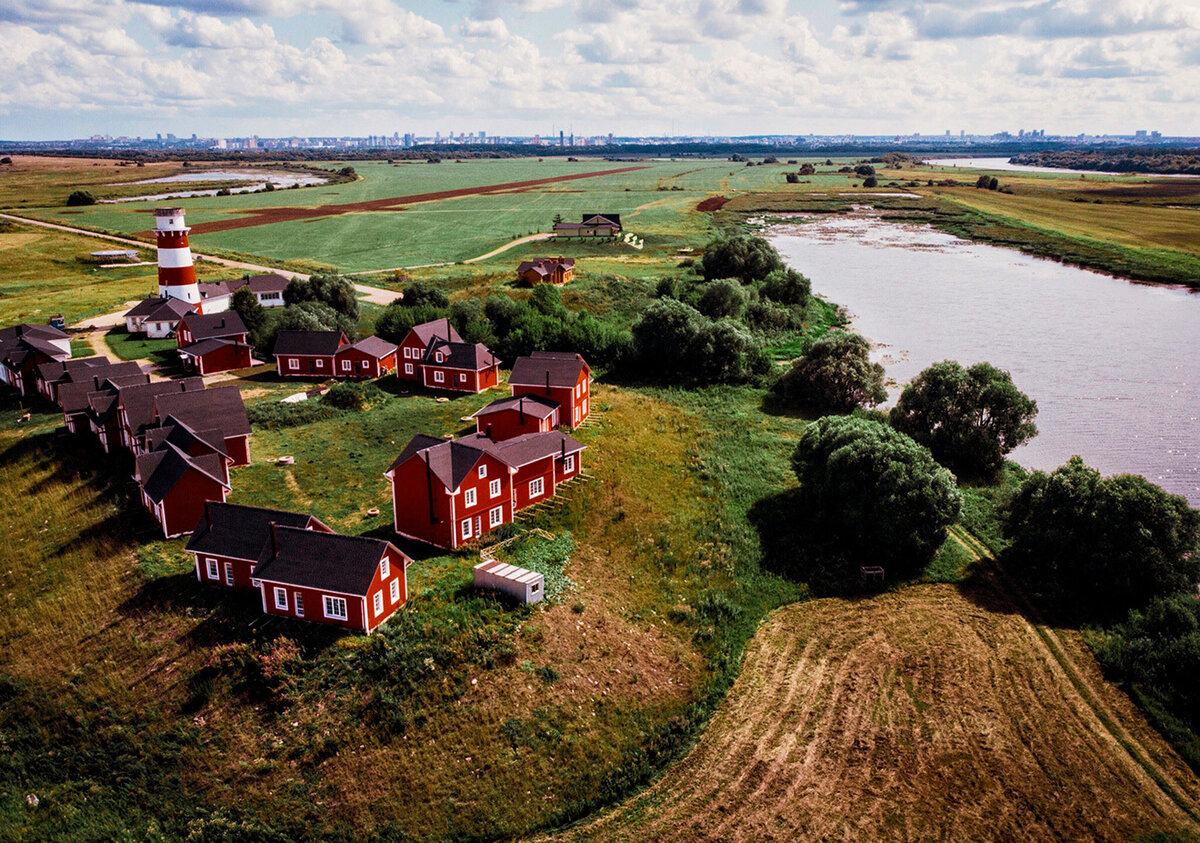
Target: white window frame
(482, 471)
(462, 378)
(469, 497)
(385, 568)
(569, 463)
(494, 488)
(319, 363)
(541, 487)
(378, 603)
(395, 591)
(214, 568)
(585, 406)
(407, 356)
(495, 516)
(439, 377)
(298, 601)
(347, 366)
(465, 530)
(331, 603)
(438, 356)
(281, 601)
(228, 573)
(293, 363)
(408, 369)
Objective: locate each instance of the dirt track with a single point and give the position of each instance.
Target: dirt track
(266, 216)
(932, 713)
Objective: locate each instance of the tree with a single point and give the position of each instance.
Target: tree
(787, 286)
(864, 170)
(834, 375)
(870, 181)
(396, 319)
(1100, 546)
(253, 315)
(665, 336)
(421, 293)
(969, 418)
(81, 197)
(5, 160)
(469, 320)
(329, 289)
(807, 169)
(792, 178)
(547, 300)
(721, 299)
(348, 172)
(744, 257)
(872, 495)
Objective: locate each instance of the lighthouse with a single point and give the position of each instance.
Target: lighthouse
(176, 274)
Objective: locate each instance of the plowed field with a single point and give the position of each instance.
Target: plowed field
(935, 713)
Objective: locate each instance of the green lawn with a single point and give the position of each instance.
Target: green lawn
(137, 347)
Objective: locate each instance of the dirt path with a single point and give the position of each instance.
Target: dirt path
(530, 238)
(937, 712)
(374, 295)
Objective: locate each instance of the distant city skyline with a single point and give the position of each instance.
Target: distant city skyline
(279, 68)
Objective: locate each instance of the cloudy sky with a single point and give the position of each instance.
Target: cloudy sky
(72, 68)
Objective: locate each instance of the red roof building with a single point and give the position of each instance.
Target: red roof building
(51, 376)
(417, 341)
(450, 492)
(23, 348)
(208, 357)
(133, 409)
(229, 539)
(74, 397)
(175, 486)
(558, 376)
(372, 357)
(353, 582)
(459, 366)
(219, 409)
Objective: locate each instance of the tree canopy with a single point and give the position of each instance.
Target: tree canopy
(969, 418)
(787, 286)
(1099, 546)
(744, 257)
(872, 495)
(254, 316)
(329, 289)
(835, 375)
(422, 293)
(674, 340)
(722, 298)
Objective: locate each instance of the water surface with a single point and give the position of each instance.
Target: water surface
(1005, 164)
(1113, 365)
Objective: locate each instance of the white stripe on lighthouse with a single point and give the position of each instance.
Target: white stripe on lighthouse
(174, 258)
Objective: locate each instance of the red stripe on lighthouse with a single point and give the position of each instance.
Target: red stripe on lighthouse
(176, 276)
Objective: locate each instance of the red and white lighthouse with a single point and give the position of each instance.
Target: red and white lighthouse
(176, 274)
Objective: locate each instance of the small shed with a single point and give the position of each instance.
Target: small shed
(518, 583)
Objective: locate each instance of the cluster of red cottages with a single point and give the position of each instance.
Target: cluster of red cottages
(184, 439)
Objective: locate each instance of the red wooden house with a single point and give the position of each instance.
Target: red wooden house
(195, 327)
(517, 415)
(450, 492)
(372, 357)
(556, 271)
(353, 582)
(134, 410)
(416, 342)
(75, 398)
(25, 347)
(175, 486)
(459, 366)
(213, 342)
(53, 376)
(307, 354)
(559, 376)
(220, 409)
(229, 538)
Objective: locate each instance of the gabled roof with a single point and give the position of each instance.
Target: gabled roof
(601, 219)
(19, 351)
(563, 368)
(73, 394)
(158, 309)
(269, 283)
(452, 460)
(199, 349)
(323, 561)
(534, 406)
(529, 447)
(240, 532)
(376, 347)
(309, 342)
(205, 326)
(184, 437)
(28, 330)
(214, 289)
(220, 408)
(437, 329)
(56, 370)
(138, 400)
(472, 356)
(159, 471)
(545, 266)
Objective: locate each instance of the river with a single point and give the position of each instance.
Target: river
(1008, 166)
(1113, 365)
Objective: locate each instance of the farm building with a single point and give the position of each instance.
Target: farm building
(307, 354)
(175, 486)
(520, 584)
(592, 225)
(450, 492)
(546, 271)
(372, 357)
(74, 397)
(268, 289)
(158, 317)
(417, 341)
(25, 347)
(208, 357)
(229, 539)
(459, 366)
(349, 581)
(219, 409)
(517, 415)
(559, 376)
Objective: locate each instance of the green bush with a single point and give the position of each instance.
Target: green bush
(274, 414)
(81, 197)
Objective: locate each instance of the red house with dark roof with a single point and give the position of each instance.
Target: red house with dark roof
(133, 408)
(208, 357)
(53, 375)
(416, 342)
(175, 486)
(459, 366)
(229, 538)
(372, 357)
(450, 492)
(195, 327)
(559, 376)
(307, 354)
(23, 348)
(516, 415)
(220, 409)
(74, 397)
(353, 582)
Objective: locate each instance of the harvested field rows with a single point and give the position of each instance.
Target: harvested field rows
(937, 712)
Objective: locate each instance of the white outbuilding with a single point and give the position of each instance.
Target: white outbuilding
(518, 583)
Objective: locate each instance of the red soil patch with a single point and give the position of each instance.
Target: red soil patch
(714, 203)
(266, 216)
